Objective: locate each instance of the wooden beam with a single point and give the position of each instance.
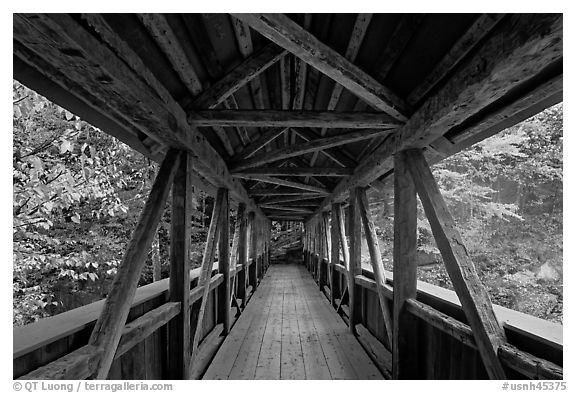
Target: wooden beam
(337, 155)
(475, 300)
(128, 87)
(286, 218)
(179, 327)
(355, 264)
(242, 252)
(238, 77)
(375, 259)
(108, 329)
(512, 62)
(264, 138)
(224, 265)
(335, 291)
(290, 118)
(79, 364)
(253, 254)
(206, 268)
(291, 192)
(304, 148)
(465, 44)
(295, 171)
(286, 33)
(282, 182)
(244, 40)
(404, 334)
(285, 208)
(159, 28)
(294, 198)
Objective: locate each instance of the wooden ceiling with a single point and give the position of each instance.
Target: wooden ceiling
(291, 111)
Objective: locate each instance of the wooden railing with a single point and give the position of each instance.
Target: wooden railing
(447, 349)
(56, 347)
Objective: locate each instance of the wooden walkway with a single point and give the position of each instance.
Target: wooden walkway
(289, 331)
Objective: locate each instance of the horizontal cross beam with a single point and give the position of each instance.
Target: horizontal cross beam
(295, 171)
(282, 182)
(290, 118)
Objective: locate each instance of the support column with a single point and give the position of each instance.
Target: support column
(335, 292)
(253, 275)
(242, 252)
(355, 266)
(179, 327)
(405, 334)
(224, 265)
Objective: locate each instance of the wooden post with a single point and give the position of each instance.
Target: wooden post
(253, 275)
(335, 254)
(224, 265)
(405, 334)
(488, 332)
(355, 266)
(206, 268)
(108, 329)
(375, 259)
(179, 327)
(242, 252)
(327, 246)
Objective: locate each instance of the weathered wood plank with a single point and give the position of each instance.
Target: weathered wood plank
(529, 365)
(224, 266)
(290, 118)
(375, 259)
(238, 77)
(286, 33)
(79, 364)
(206, 351)
(335, 154)
(355, 262)
(476, 303)
(282, 182)
(179, 327)
(405, 334)
(159, 28)
(375, 350)
(139, 329)
(108, 329)
(458, 330)
(306, 147)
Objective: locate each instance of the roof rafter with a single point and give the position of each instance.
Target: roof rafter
(307, 147)
(238, 77)
(289, 35)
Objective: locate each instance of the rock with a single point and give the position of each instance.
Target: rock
(547, 272)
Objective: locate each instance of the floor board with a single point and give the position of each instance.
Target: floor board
(290, 331)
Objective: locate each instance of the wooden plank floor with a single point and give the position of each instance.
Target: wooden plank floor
(290, 331)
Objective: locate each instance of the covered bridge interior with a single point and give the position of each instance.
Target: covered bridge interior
(293, 118)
